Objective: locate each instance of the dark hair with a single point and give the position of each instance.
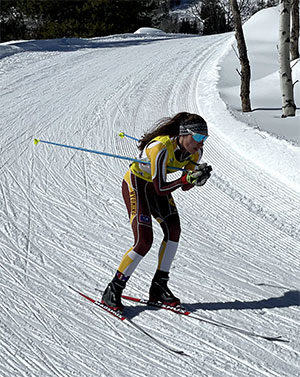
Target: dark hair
(168, 126)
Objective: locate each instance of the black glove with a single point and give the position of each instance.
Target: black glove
(201, 173)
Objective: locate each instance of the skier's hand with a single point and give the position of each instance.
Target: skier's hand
(199, 176)
(205, 171)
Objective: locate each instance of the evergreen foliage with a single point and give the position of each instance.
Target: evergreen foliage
(40, 19)
(213, 17)
(45, 19)
(12, 25)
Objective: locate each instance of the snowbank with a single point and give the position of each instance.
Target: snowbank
(261, 34)
(149, 30)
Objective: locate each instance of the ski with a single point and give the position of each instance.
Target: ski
(199, 317)
(102, 306)
(125, 319)
(175, 309)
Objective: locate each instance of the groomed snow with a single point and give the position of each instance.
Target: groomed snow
(63, 221)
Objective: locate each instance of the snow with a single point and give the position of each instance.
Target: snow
(149, 30)
(265, 85)
(63, 221)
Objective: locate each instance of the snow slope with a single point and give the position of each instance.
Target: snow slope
(261, 34)
(63, 222)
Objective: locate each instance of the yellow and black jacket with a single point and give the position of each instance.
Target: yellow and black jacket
(159, 155)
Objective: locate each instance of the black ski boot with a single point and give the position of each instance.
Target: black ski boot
(112, 294)
(159, 291)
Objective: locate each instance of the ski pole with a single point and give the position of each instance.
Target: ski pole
(36, 141)
(122, 134)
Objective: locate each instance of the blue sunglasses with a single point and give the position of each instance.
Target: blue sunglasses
(197, 137)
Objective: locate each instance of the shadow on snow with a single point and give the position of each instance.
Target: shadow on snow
(75, 44)
(290, 298)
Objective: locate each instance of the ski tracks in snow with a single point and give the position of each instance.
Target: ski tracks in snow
(62, 220)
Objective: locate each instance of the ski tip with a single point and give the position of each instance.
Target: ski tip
(72, 289)
(121, 134)
(279, 339)
(36, 141)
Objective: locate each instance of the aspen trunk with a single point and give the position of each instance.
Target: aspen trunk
(245, 65)
(287, 94)
(294, 48)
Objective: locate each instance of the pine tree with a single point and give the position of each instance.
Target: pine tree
(213, 16)
(12, 23)
(40, 19)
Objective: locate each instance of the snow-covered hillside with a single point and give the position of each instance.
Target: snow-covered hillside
(63, 221)
(265, 90)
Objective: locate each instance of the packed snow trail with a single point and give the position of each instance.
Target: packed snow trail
(63, 221)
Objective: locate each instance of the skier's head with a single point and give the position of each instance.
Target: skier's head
(191, 128)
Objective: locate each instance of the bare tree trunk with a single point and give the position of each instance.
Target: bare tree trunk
(287, 94)
(245, 65)
(295, 30)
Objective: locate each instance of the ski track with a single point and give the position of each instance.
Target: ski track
(63, 222)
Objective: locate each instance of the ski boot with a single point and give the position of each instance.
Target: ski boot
(112, 294)
(159, 291)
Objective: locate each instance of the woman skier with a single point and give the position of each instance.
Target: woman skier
(176, 142)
